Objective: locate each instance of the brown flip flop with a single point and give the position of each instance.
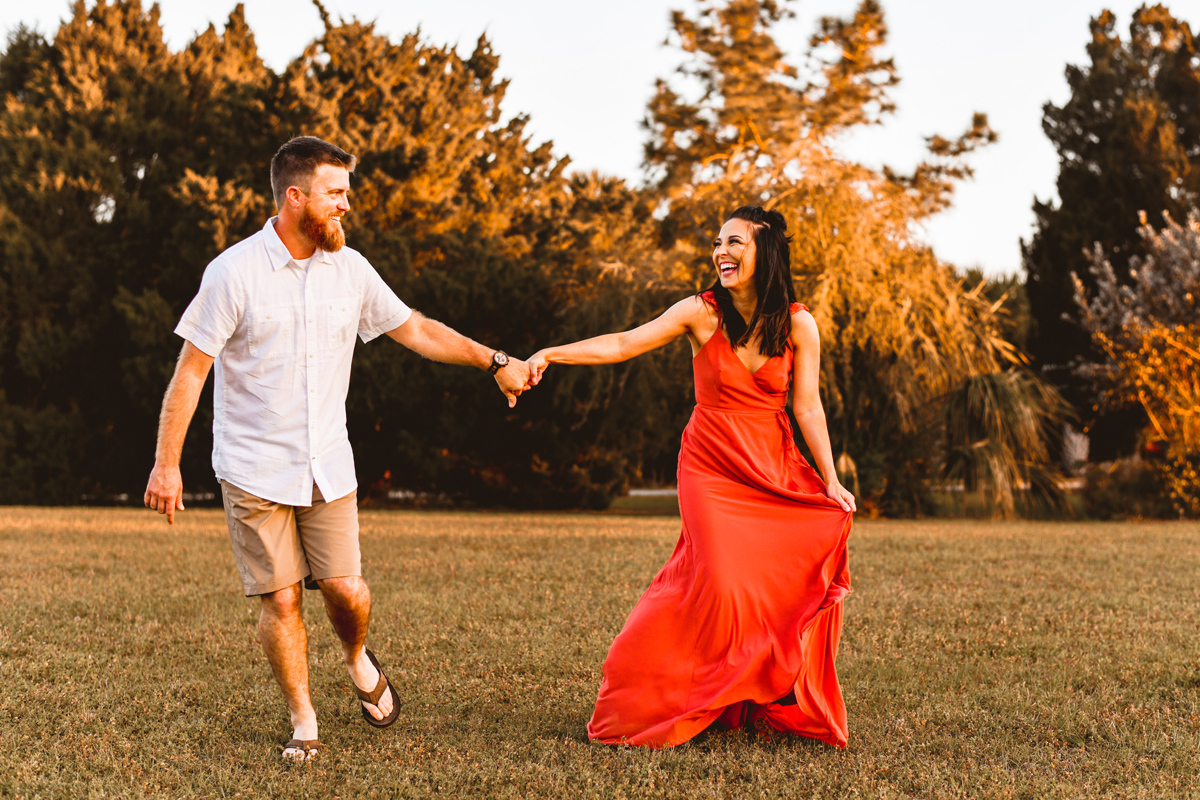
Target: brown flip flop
(373, 697)
(309, 748)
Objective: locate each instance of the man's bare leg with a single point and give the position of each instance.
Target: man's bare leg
(348, 604)
(285, 640)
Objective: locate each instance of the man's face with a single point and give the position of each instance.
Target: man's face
(327, 200)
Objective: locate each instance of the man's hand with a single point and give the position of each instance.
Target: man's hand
(164, 491)
(513, 379)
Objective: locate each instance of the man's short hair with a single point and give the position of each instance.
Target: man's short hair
(295, 164)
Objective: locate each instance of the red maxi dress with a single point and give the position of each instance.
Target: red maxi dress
(748, 608)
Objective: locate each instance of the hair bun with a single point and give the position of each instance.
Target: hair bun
(775, 220)
(772, 220)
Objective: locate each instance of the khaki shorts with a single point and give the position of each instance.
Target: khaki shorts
(277, 546)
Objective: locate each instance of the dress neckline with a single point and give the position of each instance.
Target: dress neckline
(752, 375)
(709, 297)
(738, 359)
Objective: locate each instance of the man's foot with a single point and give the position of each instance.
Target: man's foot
(303, 745)
(302, 750)
(365, 674)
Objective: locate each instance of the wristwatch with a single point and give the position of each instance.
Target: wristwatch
(499, 362)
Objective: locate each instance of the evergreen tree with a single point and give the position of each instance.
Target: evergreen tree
(109, 141)
(1128, 141)
(132, 167)
(479, 228)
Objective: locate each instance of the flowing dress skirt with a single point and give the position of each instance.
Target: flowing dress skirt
(748, 609)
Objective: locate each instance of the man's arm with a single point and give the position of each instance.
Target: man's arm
(438, 342)
(164, 491)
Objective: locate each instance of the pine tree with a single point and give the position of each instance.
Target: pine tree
(478, 227)
(130, 168)
(1128, 141)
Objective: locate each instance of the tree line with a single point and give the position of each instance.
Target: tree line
(1113, 268)
(130, 166)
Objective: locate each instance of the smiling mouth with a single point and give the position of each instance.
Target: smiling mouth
(727, 268)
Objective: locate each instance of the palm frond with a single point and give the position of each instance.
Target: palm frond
(998, 429)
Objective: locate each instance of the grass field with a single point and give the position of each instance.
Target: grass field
(1014, 660)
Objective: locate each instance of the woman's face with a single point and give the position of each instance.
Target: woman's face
(734, 254)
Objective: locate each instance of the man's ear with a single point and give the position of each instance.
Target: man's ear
(295, 197)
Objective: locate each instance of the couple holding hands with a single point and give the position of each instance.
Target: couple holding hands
(739, 628)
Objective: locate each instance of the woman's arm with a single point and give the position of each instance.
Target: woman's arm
(806, 404)
(611, 348)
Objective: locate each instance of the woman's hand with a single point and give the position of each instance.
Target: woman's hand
(537, 365)
(838, 494)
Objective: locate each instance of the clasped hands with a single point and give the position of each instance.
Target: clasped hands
(519, 376)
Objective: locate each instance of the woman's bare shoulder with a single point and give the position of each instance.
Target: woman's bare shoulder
(694, 308)
(804, 328)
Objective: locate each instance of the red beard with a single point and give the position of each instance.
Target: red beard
(324, 233)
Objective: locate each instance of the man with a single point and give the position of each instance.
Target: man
(277, 314)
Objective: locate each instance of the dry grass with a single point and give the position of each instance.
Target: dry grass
(979, 660)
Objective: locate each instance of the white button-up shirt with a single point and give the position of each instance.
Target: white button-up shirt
(283, 337)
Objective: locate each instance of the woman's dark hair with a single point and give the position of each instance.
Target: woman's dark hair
(772, 316)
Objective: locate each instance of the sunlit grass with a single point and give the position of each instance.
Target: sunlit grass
(978, 660)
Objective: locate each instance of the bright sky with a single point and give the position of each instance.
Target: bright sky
(584, 72)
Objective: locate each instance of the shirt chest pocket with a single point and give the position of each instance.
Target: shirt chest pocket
(271, 332)
(341, 321)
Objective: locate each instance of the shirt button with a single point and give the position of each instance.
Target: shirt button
(310, 355)
(310, 322)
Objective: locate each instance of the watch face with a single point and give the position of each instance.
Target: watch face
(500, 359)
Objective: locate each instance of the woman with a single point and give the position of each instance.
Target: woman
(742, 624)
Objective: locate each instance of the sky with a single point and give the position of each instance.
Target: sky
(584, 72)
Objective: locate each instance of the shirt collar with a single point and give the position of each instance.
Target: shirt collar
(277, 251)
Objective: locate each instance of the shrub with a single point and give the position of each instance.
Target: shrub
(1126, 489)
